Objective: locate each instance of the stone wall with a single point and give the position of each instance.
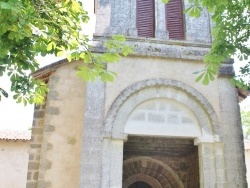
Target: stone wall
(218, 148)
(120, 18)
(14, 159)
(57, 132)
(193, 171)
(35, 146)
(61, 145)
(176, 69)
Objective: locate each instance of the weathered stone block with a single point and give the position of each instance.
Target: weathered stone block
(183, 166)
(52, 110)
(33, 123)
(45, 165)
(153, 117)
(38, 114)
(31, 185)
(29, 175)
(39, 122)
(35, 176)
(35, 145)
(49, 128)
(53, 95)
(38, 157)
(37, 107)
(31, 156)
(49, 146)
(44, 184)
(39, 139)
(33, 166)
(37, 130)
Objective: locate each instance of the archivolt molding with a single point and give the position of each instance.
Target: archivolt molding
(132, 93)
(162, 169)
(141, 177)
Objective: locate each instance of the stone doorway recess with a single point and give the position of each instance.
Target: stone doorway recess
(160, 162)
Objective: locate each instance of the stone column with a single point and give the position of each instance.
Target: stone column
(232, 133)
(119, 23)
(90, 175)
(160, 22)
(211, 159)
(103, 16)
(132, 23)
(207, 165)
(219, 164)
(112, 162)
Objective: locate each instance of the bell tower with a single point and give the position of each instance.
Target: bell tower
(154, 126)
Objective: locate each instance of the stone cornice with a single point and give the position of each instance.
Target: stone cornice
(226, 70)
(160, 48)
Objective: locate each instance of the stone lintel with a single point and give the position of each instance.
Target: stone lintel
(122, 136)
(159, 48)
(204, 139)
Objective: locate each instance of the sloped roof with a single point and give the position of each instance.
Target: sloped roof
(242, 94)
(8, 134)
(44, 72)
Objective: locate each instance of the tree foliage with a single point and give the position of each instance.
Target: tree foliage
(33, 27)
(231, 35)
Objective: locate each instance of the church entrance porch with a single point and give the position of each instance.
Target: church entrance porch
(175, 133)
(160, 162)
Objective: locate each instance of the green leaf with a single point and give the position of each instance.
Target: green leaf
(50, 46)
(194, 11)
(69, 57)
(4, 5)
(211, 76)
(60, 53)
(120, 38)
(25, 101)
(11, 35)
(199, 77)
(206, 79)
(4, 93)
(19, 100)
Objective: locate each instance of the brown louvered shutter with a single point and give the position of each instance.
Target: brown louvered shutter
(174, 19)
(145, 18)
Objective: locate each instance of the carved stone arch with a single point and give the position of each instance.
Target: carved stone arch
(153, 88)
(141, 177)
(154, 172)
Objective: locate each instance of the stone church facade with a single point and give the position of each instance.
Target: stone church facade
(154, 126)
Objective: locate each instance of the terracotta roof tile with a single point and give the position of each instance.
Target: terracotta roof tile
(8, 134)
